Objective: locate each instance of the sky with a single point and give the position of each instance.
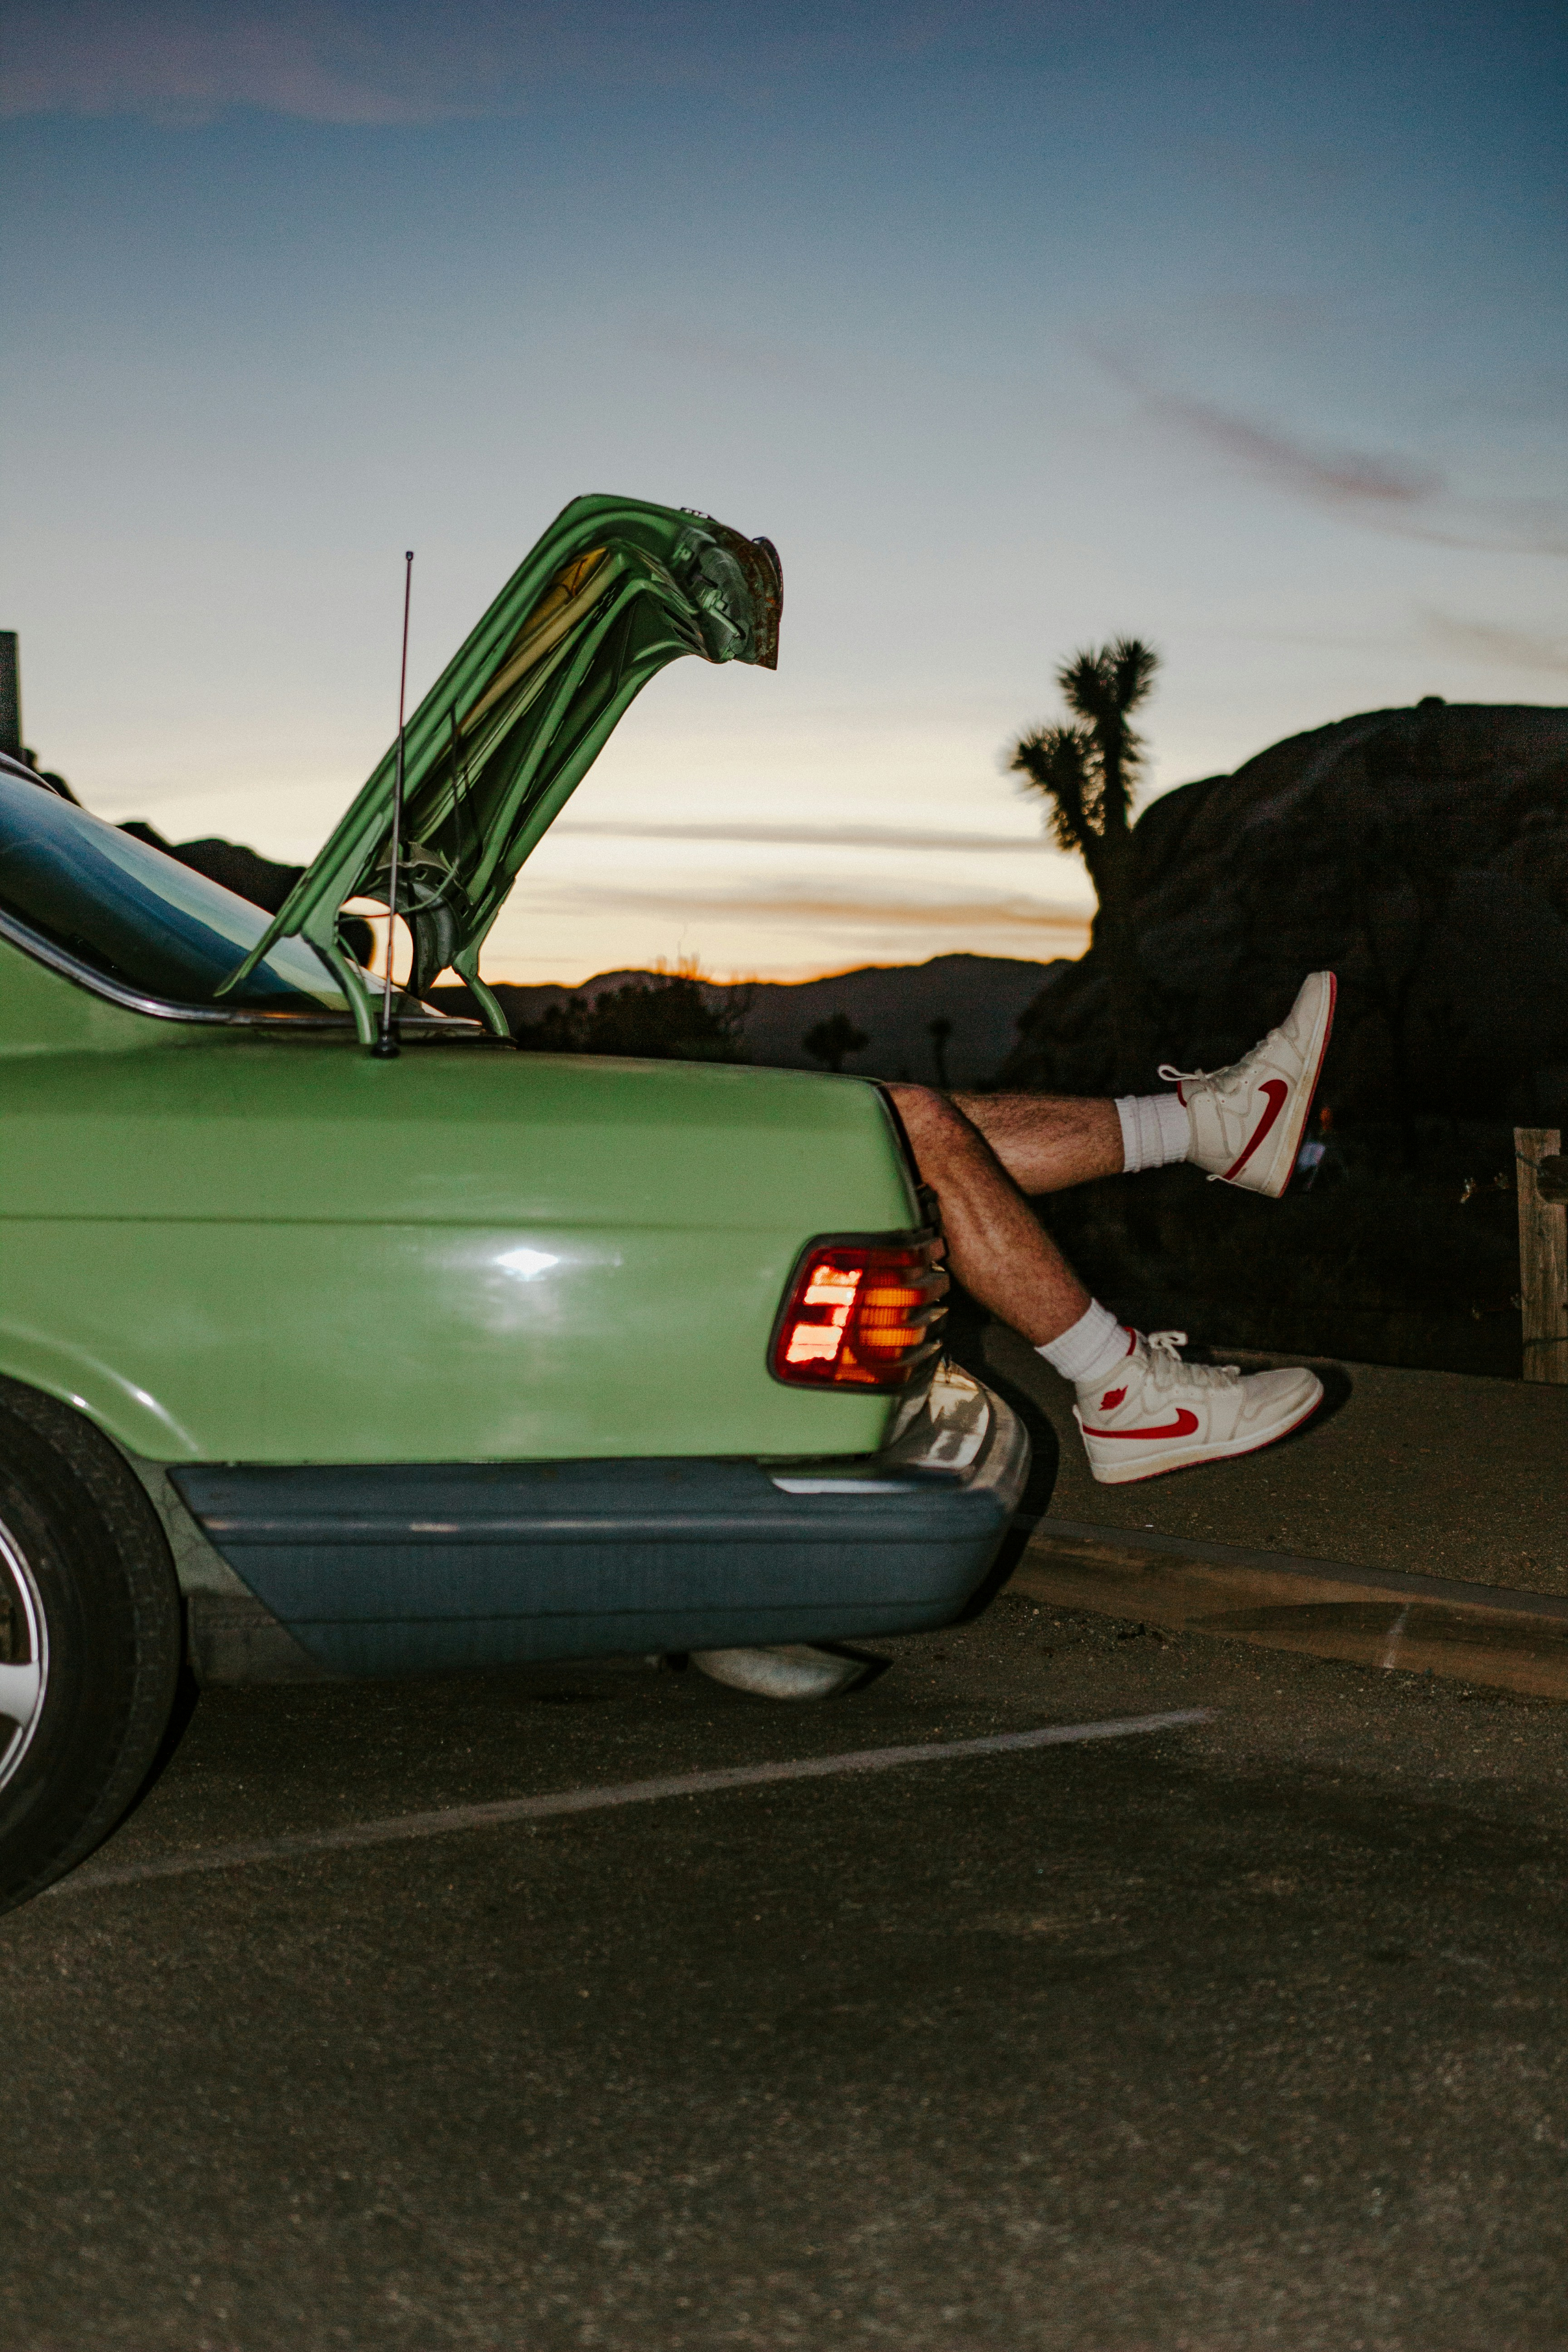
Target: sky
(1017, 327)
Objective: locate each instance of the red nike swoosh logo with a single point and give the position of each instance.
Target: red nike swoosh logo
(1182, 1426)
(1276, 1090)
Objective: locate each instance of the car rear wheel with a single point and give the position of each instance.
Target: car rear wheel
(90, 1639)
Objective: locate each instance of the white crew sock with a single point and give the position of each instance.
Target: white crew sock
(1090, 1350)
(1155, 1129)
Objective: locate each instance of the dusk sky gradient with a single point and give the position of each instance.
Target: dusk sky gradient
(1239, 326)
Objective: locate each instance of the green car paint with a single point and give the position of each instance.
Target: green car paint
(228, 1234)
(225, 1246)
(615, 590)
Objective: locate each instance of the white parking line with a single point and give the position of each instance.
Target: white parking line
(452, 1818)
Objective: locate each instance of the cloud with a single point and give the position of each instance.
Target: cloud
(1064, 929)
(809, 837)
(1344, 476)
(1507, 649)
(384, 62)
(187, 63)
(1391, 494)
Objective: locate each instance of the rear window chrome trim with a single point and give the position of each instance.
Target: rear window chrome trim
(211, 1016)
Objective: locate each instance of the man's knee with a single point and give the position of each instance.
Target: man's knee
(934, 1126)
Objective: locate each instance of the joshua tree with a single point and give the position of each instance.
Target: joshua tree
(832, 1040)
(1087, 772)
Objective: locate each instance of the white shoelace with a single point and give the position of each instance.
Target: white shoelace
(1166, 1361)
(1174, 1077)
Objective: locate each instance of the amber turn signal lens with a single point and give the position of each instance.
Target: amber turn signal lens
(861, 1315)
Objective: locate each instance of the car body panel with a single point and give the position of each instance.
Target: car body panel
(388, 1570)
(43, 1011)
(272, 1250)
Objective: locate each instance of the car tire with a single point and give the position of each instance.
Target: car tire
(90, 1639)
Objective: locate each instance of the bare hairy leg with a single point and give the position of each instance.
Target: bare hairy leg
(996, 1245)
(1047, 1142)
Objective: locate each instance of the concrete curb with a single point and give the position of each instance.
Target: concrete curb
(1371, 1617)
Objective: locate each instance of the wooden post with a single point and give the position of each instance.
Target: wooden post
(1542, 1252)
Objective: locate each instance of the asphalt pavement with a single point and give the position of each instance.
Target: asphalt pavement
(1247, 2032)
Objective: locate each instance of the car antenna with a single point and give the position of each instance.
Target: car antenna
(386, 1047)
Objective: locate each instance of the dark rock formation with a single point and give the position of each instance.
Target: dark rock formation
(1421, 853)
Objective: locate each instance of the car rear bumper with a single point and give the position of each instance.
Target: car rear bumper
(412, 1566)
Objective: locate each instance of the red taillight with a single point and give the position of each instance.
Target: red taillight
(859, 1315)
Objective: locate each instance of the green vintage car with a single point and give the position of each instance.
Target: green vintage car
(326, 1353)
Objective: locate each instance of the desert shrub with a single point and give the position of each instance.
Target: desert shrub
(658, 1016)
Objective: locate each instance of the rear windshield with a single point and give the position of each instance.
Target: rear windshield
(121, 907)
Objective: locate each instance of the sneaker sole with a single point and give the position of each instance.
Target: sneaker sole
(1280, 1164)
(1187, 1457)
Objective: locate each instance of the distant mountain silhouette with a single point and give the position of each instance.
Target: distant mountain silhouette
(893, 1004)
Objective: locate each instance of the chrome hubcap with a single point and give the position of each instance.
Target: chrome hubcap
(24, 1654)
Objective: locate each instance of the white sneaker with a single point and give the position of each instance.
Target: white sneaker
(1157, 1414)
(1248, 1121)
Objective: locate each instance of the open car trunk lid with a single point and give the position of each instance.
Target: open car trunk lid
(614, 589)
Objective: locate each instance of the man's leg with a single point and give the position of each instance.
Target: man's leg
(1050, 1142)
(996, 1245)
(1243, 1125)
(1047, 1142)
(1141, 1409)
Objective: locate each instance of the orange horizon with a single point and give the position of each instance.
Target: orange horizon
(691, 967)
